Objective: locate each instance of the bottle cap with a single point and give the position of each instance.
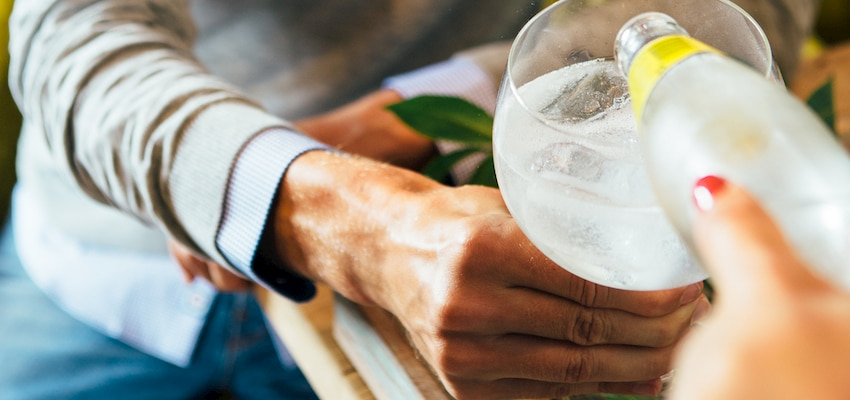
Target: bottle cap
(639, 31)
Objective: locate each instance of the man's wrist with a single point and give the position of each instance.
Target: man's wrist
(335, 218)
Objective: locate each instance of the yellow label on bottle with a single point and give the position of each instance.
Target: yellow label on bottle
(654, 59)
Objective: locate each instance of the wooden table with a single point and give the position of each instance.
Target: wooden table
(350, 352)
(307, 331)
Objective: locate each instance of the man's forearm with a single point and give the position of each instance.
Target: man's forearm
(113, 89)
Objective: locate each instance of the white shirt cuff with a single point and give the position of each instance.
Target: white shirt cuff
(252, 188)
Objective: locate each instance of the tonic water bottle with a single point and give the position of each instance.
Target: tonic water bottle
(700, 112)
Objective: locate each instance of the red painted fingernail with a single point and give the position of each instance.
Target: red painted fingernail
(705, 190)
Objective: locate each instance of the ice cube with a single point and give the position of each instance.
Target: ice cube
(569, 159)
(589, 96)
(591, 175)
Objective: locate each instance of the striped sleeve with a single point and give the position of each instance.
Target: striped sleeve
(251, 191)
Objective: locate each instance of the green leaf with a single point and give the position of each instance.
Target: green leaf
(708, 289)
(440, 167)
(446, 118)
(821, 101)
(485, 175)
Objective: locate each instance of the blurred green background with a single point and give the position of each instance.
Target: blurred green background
(10, 119)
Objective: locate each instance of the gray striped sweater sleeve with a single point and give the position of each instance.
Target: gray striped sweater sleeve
(129, 113)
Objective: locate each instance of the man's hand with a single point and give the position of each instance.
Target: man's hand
(489, 313)
(194, 266)
(777, 331)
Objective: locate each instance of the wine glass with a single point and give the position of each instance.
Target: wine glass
(565, 145)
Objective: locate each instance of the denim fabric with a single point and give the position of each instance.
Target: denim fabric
(137, 297)
(46, 354)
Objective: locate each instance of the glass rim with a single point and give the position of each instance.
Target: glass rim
(771, 72)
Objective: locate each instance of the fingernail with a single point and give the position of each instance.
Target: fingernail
(691, 293)
(705, 190)
(651, 388)
(700, 311)
(668, 377)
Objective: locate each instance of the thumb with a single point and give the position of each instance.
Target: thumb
(740, 245)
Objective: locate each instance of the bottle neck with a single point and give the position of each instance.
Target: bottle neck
(646, 48)
(640, 31)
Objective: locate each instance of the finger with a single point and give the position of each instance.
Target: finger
(197, 267)
(526, 357)
(188, 276)
(553, 361)
(740, 244)
(522, 264)
(226, 281)
(525, 388)
(191, 265)
(553, 279)
(539, 314)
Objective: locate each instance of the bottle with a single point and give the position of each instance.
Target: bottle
(700, 112)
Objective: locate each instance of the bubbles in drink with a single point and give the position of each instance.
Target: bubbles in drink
(571, 173)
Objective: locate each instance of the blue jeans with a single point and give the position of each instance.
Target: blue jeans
(46, 354)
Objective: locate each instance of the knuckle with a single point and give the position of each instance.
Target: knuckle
(465, 255)
(462, 390)
(590, 294)
(578, 368)
(450, 315)
(475, 235)
(455, 361)
(659, 363)
(589, 328)
(477, 389)
(465, 241)
(668, 334)
(566, 391)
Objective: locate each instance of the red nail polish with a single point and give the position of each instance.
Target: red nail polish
(705, 190)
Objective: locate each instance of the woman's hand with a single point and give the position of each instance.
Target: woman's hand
(777, 331)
